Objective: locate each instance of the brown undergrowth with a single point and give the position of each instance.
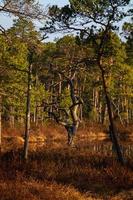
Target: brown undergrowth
(63, 173)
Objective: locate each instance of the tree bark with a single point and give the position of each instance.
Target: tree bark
(103, 113)
(27, 121)
(11, 117)
(35, 116)
(111, 127)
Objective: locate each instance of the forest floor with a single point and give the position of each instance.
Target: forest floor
(55, 171)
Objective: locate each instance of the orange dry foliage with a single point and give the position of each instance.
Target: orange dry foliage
(55, 171)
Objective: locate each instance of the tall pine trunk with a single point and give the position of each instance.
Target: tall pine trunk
(27, 120)
(111, 127)
(11, 117)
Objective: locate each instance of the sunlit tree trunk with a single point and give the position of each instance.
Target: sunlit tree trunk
(11, 117)
(35, 115)
(111, 126)
(27, 121)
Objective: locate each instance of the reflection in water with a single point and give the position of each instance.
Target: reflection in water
(98, 147)
(108, 149)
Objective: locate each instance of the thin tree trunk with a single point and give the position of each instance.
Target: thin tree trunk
(103, 113)
(112, 128)
(11, 119)
(36, 114)
(27, 121)
(21, 120)
(127, 110)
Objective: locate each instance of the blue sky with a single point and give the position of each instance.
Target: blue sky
(56, 2)
(6, 21)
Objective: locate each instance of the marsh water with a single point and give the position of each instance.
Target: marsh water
(97, 146)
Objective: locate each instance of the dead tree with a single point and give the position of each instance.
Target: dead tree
(68, 118)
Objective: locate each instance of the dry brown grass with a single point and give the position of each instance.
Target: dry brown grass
(63, 173)
(57, 172)
(34, 190)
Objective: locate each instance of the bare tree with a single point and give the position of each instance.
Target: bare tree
(70, 119)
(21, 9)
(31, 9)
